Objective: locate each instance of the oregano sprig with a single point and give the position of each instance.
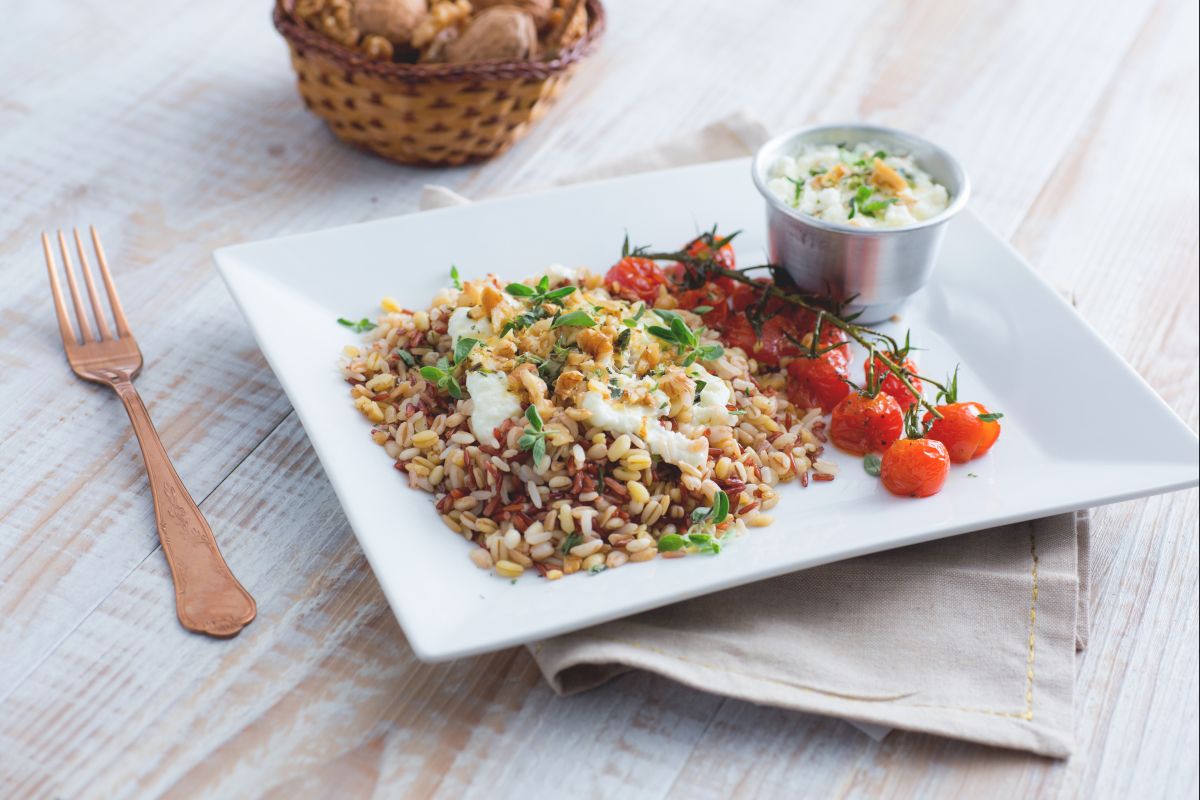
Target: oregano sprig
(534, 437)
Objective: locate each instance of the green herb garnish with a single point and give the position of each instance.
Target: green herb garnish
(872, 465)
(534, 438)
(571, 541)
(406, 357)
(463, 348)
(670, 543)
(455, 281)
(540, 292)
(685, 341)
(442, 376)
(362, 326)
(575, 319)
(716, 514)
(623, 339)
(992, 417)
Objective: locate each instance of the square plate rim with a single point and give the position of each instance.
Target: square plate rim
(230, 265)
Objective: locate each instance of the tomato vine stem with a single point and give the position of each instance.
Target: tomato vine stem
(867, 338)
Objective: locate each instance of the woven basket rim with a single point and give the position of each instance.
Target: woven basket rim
(303, 38)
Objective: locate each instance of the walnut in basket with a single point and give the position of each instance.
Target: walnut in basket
(499, 33)
(454, 31)
(394, 20)
(540, 10)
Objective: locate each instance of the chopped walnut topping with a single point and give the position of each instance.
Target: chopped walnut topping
(596, 343)
(884, 177)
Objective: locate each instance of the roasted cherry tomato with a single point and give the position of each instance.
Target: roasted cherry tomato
(703, 245)
(778, 341)
(965, 435)
(820, 381)
(710, 297)
(862, 424)
(637, 276)
(738, 332)
(741, 295)
(890, 384)
(915, 467)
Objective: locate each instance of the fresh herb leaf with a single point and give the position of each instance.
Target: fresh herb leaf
(872, 465)
(704, 543)
(406, 357)
(520, 290)
(881, 154)
(558, 294)
(874, 207)
(572, 540)
(362, 326)
(992, 417)
(623, 339)
(716, 514)
(972, 475)
(863, 194)
(463, 348)
(455, 281)
(534, 437)
(633, 321)
(670, 543)
(442, 376)
(699, 388)
(575, 319)
(720, 508)
(702, 310)
(597, 569)
(799, 184)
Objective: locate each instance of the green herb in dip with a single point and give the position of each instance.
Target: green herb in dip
(863, 186)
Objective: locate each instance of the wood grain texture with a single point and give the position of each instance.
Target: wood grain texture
(1078, 123)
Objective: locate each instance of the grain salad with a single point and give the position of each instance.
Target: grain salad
(863, 185)
(564, 426)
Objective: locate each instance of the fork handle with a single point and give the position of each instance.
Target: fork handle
(208, 598)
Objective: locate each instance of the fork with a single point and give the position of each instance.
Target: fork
(208, 599)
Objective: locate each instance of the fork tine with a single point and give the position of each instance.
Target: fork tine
(85, 329)
(113, 299)
(60, 306)
(97, 306)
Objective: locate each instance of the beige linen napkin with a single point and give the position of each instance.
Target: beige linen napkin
(972, 637)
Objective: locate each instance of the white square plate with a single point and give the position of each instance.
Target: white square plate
(1019, 344)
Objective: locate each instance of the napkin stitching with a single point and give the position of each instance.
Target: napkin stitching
(1026, 715)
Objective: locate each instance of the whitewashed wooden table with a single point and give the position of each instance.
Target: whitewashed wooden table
(175, 128)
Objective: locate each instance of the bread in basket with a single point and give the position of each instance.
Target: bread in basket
(431, 113)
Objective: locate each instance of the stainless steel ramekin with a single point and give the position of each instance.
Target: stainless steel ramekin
(878, 267)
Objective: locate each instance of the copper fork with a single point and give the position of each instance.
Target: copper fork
(208, 598)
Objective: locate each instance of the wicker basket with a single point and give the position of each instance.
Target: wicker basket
(427, 113)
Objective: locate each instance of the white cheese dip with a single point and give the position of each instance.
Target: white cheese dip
(863, 186)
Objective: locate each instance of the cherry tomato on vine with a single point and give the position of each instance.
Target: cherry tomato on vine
(863, 424)
(702, 245)
(890, 384)
(915, 467)
(965, 435)
(637, 276)
(710, 297)
(778, 341)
